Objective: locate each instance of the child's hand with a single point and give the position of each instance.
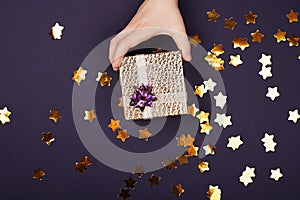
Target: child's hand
(161, 17)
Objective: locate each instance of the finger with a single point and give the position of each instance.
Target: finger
(183, 44)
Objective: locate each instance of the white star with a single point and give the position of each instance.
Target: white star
(4, 115)
(272, 93)
(265, 72)
(249, 171)
(269, 143)
(234, 142)
(220, 100)
(247, 176)
(223, 120)
(209, 84)
(208, 150)
(235, 60)
(265, 60)
(294, 116)
(57, 31)
(276, 174)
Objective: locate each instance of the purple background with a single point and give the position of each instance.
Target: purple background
(36, 76)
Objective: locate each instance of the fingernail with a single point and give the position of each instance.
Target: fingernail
(188, 57)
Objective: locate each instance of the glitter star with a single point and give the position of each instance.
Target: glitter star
(214, 193)
(242, 43)
(220, 100)
(247, 176)
(90, 115)
(230, 23)
(79, 75)
(192, 150)
(257, 36)
(265, 72)
(235, 60)
(214, 61)
(47, 138)
(203, 166)
(145, 134)
(54, 115)
(192, 110)
(208, 149)
(280, 36)
(169, 164)
(269, 143)
(82, 165)
(38, 174)
(122, 135)
(194, 40)
(185, 140)
(103, 79)
(265, 60)
(114, 125)
(217, 49)
(139, 171)
(292, 16)
(200, 90)
(206, 128)
(130, 183)
(182, 159)
(250, 18)
(4, 115)
(223, 120)
(154, 180)
(294, 116)
(272, 93)
(177, 190)
(124, 194)
(212, 15)
(234, 142)
(209, 85)
(57, 31)
(276, 174)
(293, 40)
(203, 117)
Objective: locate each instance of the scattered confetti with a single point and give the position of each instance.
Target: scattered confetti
(55, 115)
(145, 134)
(242, 43)
(265, 72)
(276, 174)
(206, 128)
(209, 85)
(223, 120)
(247, 176)
(200, 90)
(154, 180)
(79, 75)
(294, 115)
(220, 100)
(214, 61)
(272, 93)
(268, 142)
(235, 60)
(214, 193)
(177, 190)
(209, 150)
(217, 49)
(280, 36)
(257, 36)
(230, 23)
(103, 79)
(139, 171)
(124, 194)
(90, 115)
(57, 31)
(293, 40)
(292, 16)
(192, 151)
(250, 18)
(194, 40)
(82, 165)
(185, 140)
(114, 125)
(212, 15)
(265, 60)
(130, 183)
(4, 115)
(192, 110)
(122, 135)
(120, 102)
(234, 142)
(169, 164)
(38, 173)
(203, 117)
(47, 138)
(203, 166)
(182, 159)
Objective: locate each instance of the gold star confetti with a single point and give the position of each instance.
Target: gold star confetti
(114, 125)
(208, 149)
(200, 90)
(4, 115)
(203, 117)
(169, 164)
(130, 183)
(235, 60)
(79, 75)
(212, 15)
(124, 194)
(280, 36)
(185, 140)
(122, 135)
(85, 161)
(194, 40)
(182, 159)
(56, 31)
(206, 128)
(268, 142)
(214, 193)
(214, 61)
(154, 180)
(257, 36)
(247, 176)
(203, 166)
(192, 150)
(192, 110)
(223, 120)
(272, 93)
(90, 115)
(103, 79)
(292, 16)
(177, 190)
(82, 164)
(54, 115)
(38, 173)
(234, 142)
(48, 138)
(276, 174)
(145, 134)
(242, 43)
(250, 18)
(294, 116)
(217, 49)
(139, 171)
(120, 102)
(293, 40)
(230, 23)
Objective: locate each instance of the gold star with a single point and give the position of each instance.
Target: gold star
(194, 40)
(169, 164)
(145, 134)
(79, 75)
(203, 166)
(230, 23)
(177, 190)
(203, 117)
(242, 43)
(54, 115)
(48, 138)
(250, 18)
(217, 49)
(200, 90)
(280, 36)
(114, 125)
(235, 60)
(154, 180)
(212, 15)
(206, 128)
(185, 140)
(103, 79)
(214, 61)
(90, 115)
(85, 161)
(214, 193)
(192, 109)
(192, 151)
(122, 135)
(82, 164)
(182, 159)
(139, 171)
(4, 115)
(257, 36)
(293, 40)
(38, 173)
(292, 16)
(120, 102)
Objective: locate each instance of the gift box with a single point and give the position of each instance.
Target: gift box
(153, 85)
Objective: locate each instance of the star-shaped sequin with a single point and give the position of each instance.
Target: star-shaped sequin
(230, 23)
(56, 31)
(154, 180)
(48, 138)
(192, 109)
(212, 15)
(38, 173)
(209, 150)
(55, 115)
(89, 115)
(169, 164)
(124, 194)
(234, 142)
(4, 115)
(209, 85)
(265, 59)
(214, 193)
(241, 43)
(182, 159)
(192, 150)
(250, 18)
(82, 165)
(122, 135)
(223, 120)
(247, 176)
(130, 183)
(79, 75)
(177, 190)
(276, 174)
(185, 140)
(220, 100)
(292, 16)
(139, 171)
(280, 36)
(265, 72)
(200, 90)
(235, 60)
(206, 128)
(293, 40)
(257, 36)
(203, 166)
(272, 93)
(103, 79)
(214, 61)
(203, 116)
(194, 40)
(145, 134)
(217, 49)
(268, 142)
(114, 125)
(294, 116)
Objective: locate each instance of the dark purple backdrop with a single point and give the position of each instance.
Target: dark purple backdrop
(36, 76)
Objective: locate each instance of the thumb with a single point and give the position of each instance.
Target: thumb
(183, 44)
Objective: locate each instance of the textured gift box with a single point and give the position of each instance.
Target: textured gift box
(164, 72)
